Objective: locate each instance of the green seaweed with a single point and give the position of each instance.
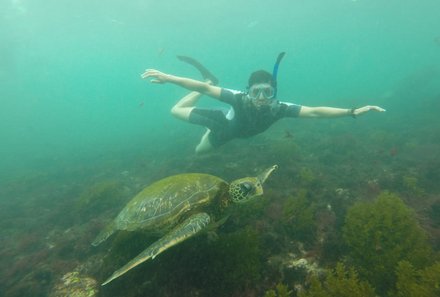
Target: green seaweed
(434, 213)
(280, 290)
(413, 282)
(200, 266)
(299, 217)
(99, 196)
(341, 282)
(235, 259)
(411, 186)
(379, 234)
(306, 176)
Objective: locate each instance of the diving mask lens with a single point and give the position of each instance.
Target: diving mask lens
(256, 90)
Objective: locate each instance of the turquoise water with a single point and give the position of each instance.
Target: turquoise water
(75, 112)
(70, 71)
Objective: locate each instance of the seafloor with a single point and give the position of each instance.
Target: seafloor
(49, 216)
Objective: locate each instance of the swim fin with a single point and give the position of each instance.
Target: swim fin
(205, 72)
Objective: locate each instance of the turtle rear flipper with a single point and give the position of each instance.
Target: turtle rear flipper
(106, 233)
(190, 227)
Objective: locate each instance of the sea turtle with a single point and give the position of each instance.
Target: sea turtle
(180, 206)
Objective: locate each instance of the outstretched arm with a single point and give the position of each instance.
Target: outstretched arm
(332, 112)
(158, 77)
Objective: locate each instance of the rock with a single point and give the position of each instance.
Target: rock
(73, 284)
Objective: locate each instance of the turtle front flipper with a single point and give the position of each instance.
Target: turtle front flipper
(188, 228)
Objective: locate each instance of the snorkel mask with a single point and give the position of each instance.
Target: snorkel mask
(261, 95)
(261, 91)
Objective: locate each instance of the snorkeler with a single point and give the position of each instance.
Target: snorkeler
(251, 112)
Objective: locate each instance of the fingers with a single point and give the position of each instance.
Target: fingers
(380, 109)
(156, 76)
(376, 108)
(367, 108)
(149, 73)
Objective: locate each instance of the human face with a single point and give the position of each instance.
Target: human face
(261, 94)
(261, 91)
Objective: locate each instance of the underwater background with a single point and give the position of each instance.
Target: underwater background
(354, 205)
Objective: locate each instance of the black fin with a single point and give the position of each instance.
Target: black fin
(205, 72)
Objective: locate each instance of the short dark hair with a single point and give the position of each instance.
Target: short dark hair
(259, 77)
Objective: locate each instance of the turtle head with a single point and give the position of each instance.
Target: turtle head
(244, 189)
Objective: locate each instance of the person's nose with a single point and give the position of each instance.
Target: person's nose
(261, 95)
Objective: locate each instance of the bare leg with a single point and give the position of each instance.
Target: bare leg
(184, 106)
(182, 110)
(204, 145)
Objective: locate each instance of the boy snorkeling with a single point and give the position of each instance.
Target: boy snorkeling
(251, 112)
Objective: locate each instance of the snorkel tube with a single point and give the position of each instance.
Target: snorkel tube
(275, 72)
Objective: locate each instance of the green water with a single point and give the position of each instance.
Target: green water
(69, 70)
(81, 132)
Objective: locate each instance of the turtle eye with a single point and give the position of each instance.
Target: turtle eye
(246, 188)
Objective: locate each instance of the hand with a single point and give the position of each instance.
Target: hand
(362, 110)
(156, 76)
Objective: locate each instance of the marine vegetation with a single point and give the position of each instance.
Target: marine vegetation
(281, 290)
(99, 196)
(434, 213)
(203, 266)
(235, 259)
(341, 282)
(413, 282)
(411, 185)
(382, 233)
(75, 285)
(299, 217)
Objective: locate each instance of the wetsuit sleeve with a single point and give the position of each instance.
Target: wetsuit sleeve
(230, 96)
(292, 110)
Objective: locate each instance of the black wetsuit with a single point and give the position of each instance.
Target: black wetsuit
(246, 121)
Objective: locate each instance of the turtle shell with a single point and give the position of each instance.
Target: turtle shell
(164, 203)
